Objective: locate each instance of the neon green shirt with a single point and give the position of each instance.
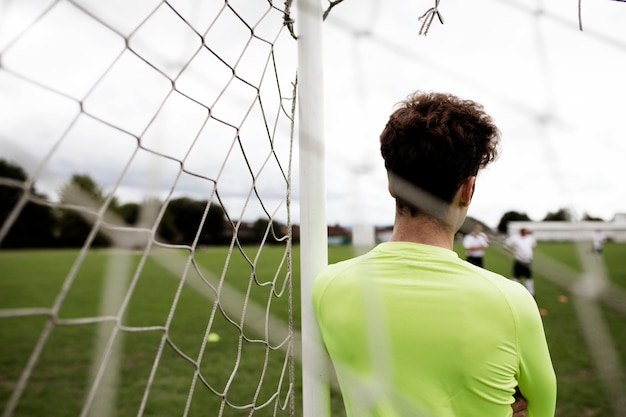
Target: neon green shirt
(413, 330)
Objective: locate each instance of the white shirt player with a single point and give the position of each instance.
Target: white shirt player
(522, 246)
(475, 244)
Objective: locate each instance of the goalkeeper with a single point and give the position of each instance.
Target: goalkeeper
(412, 329)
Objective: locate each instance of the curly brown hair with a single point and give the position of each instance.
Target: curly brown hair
(435, 141)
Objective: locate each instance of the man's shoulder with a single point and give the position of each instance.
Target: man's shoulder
(505, 286)
(329, 272)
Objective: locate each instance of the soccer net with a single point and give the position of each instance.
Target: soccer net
(158, 136)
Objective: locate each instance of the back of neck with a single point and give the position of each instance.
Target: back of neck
(422, 229)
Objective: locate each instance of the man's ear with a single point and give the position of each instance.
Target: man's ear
(467, 190)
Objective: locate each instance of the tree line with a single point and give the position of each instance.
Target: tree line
(69, 222)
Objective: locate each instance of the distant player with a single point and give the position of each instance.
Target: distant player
(523, 246)
(412, 329)
(597, 240)
(475, 244)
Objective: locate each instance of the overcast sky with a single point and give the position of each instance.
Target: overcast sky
(557, 94)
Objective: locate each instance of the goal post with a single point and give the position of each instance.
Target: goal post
(313, 224)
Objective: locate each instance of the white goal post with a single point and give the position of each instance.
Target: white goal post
(313, 238)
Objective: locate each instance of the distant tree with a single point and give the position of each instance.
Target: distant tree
(34, 226)
(88, 184)
(167, 229)
(558, 216)
(145, 212)
(129, 212)
(510, 216)
(261, 227)
(590, 218)
(469, 223)
(74, 225)
(186, 216)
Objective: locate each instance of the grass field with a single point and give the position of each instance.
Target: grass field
(236, 371)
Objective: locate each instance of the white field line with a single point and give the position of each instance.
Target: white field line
(588, 288)
(106, 361)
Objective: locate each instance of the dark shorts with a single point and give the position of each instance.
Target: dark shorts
(475, 260)
(521, 270)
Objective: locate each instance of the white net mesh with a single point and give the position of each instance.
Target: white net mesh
(152, 108)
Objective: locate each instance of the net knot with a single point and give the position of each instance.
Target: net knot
(428, 18)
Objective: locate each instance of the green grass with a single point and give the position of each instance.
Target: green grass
(233, 372)
(58, 383)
